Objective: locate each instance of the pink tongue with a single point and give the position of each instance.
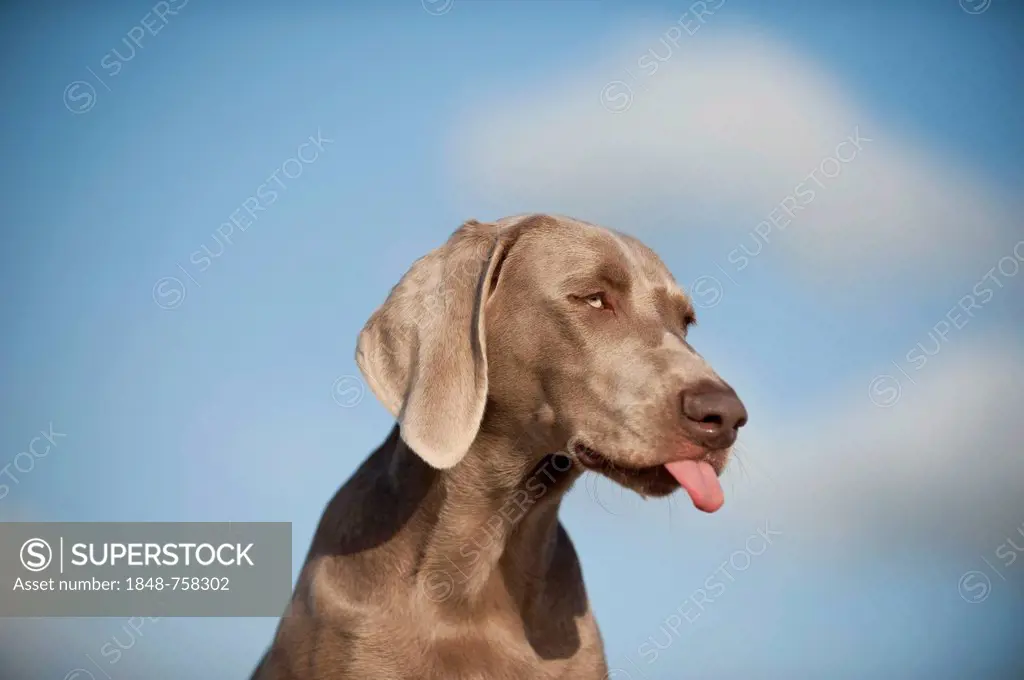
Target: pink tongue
(700, 481)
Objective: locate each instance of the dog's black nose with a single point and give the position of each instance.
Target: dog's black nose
(712, 414)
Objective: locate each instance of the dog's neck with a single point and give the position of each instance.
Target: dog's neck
(490, 521)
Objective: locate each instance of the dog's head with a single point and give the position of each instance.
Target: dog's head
(571, 334)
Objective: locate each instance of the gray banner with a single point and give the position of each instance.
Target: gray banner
(145, 568)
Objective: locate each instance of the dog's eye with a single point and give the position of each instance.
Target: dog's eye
(596, 301)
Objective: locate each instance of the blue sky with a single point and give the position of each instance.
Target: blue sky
(221, 408)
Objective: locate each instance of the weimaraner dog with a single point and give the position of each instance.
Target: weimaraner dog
(516, 356)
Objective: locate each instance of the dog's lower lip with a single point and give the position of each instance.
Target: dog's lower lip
(588, 456)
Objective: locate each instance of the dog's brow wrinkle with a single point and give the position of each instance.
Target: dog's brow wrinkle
(627, 252)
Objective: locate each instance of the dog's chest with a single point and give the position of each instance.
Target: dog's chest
(496, 650)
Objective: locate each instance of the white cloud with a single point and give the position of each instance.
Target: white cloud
(941, 466)
(725, 129)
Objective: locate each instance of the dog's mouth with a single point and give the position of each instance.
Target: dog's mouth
(698, 476)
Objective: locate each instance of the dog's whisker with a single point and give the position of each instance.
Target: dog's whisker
(742, 465)
(757, 468)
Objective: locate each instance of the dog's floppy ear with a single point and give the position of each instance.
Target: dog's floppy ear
(423, 352)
